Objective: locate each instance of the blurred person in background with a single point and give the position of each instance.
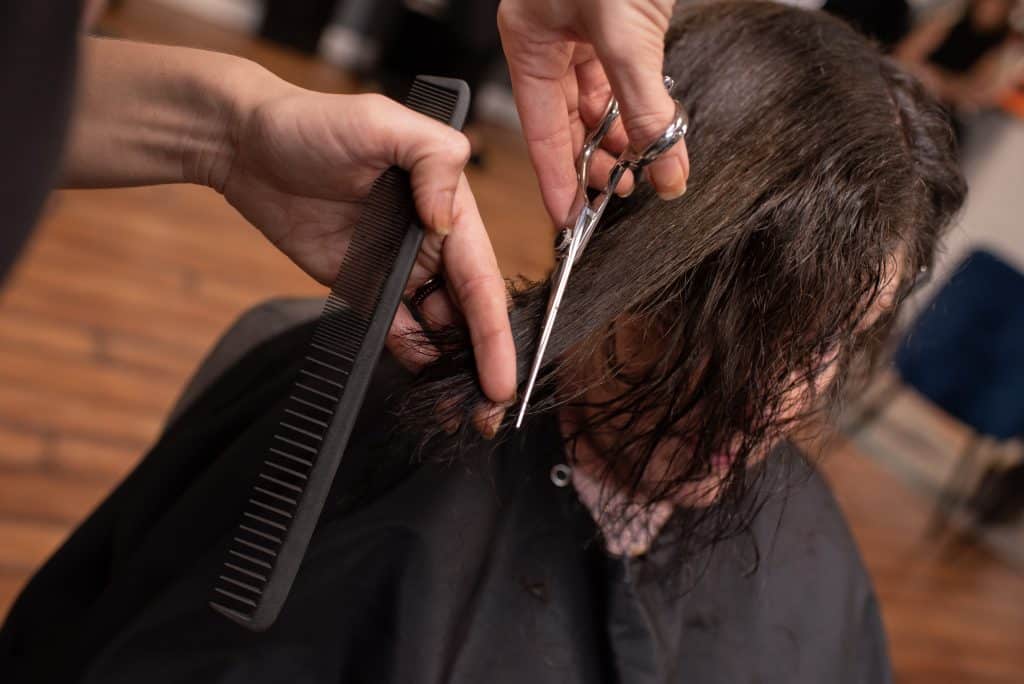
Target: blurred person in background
(969, 54)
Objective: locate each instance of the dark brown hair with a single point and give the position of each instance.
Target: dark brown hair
(816, 165)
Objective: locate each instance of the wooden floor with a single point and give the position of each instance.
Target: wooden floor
(121, 292)
(954, 612)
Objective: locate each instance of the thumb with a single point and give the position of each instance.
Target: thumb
(636, 79)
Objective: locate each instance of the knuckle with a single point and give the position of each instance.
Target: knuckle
(615, 52)
(444, 146)
(486, 337)
(377, 103)
(557, 136)
(597, 95)
(444, 153)
(477, 289)
(458, 147)
(644, 126)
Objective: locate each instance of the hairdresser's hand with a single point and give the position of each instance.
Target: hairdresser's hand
(302, 166)
(298, 165)
(566, 58)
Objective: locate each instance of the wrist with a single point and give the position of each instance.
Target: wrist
(222, 95)
(149, 114)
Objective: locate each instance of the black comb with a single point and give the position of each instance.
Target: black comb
(291, 488)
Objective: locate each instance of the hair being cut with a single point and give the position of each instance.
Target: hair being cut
(817, 166)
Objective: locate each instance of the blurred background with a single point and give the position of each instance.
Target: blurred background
(120, 294)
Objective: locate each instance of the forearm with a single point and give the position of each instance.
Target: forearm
(151, 114)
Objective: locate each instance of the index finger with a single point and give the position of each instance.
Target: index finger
(544, 116)
(471, 270)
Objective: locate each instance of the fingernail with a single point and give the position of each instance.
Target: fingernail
(673, 195)
(668, 178)
(444, 213)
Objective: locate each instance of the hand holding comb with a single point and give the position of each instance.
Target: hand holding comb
(269, 542)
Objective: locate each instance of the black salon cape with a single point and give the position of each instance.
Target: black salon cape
(431, 574)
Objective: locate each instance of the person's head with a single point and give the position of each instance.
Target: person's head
(696, 332)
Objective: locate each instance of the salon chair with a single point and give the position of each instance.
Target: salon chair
(965, 354)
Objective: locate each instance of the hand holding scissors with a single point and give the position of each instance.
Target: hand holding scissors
(572, 240)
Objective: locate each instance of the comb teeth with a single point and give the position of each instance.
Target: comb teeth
(292, 484)
(277, 494)
(442, 99)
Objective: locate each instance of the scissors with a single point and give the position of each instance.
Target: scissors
(572, 240)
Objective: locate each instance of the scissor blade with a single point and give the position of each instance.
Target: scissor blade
(554, 300)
